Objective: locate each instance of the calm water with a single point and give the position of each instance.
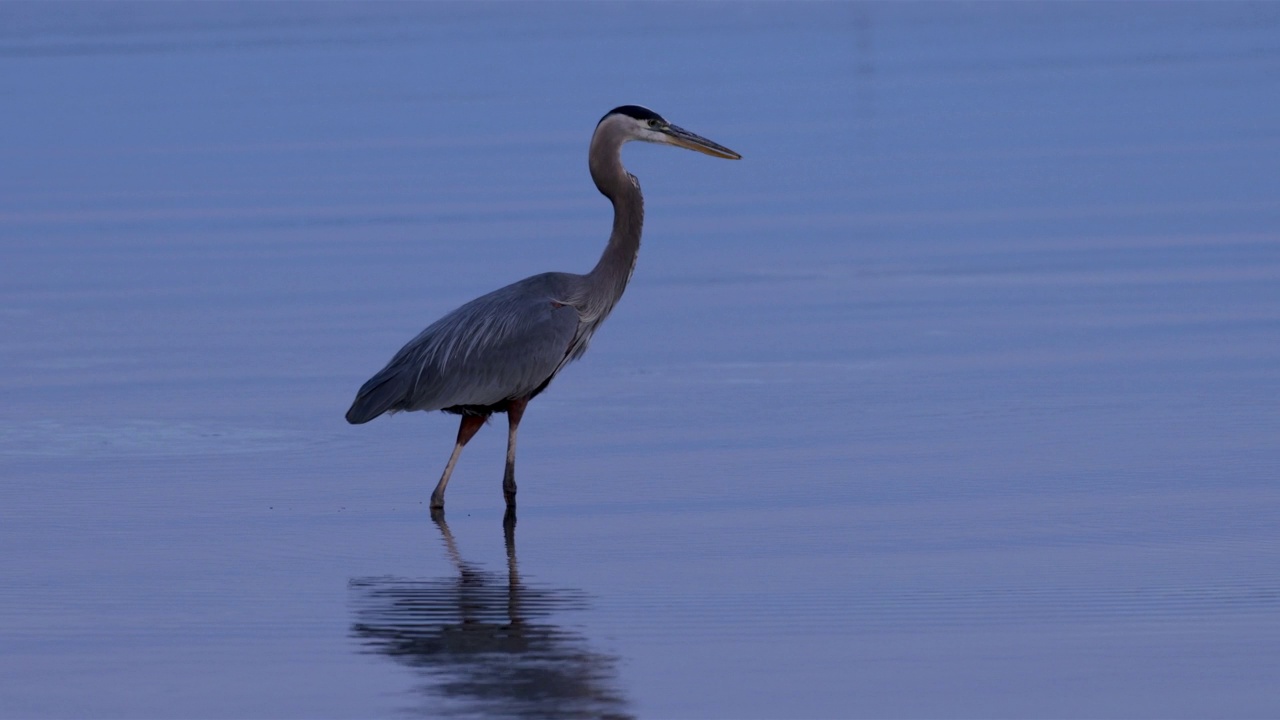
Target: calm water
(957, 396)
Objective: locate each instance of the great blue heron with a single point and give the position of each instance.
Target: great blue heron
(500, 350)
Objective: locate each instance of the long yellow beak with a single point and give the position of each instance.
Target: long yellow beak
(685, 139)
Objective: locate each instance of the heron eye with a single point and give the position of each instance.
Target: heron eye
(655, 124)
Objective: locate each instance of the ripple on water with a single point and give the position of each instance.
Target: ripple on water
(909, 610)
(141, 438)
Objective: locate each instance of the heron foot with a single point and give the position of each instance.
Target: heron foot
(437, 502)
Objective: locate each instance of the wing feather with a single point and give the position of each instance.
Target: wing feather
(498, 347)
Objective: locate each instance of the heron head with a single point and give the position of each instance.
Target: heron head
(641, 123)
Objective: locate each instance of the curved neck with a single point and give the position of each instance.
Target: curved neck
(608, 279)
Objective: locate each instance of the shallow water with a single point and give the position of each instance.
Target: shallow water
(955, 397)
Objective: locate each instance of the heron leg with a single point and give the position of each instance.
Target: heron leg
(515, 411)
(470, 425)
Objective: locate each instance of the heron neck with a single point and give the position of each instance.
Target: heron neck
(609, 278)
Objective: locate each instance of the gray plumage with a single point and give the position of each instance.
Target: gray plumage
(500, 350)
(463, 362)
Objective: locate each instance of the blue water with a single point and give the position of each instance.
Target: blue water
(956, 397)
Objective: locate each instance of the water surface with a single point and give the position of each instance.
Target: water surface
(955, 397)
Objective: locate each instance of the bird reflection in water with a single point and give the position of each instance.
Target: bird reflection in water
(485, 642)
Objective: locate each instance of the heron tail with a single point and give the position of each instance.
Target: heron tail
(381, 393)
